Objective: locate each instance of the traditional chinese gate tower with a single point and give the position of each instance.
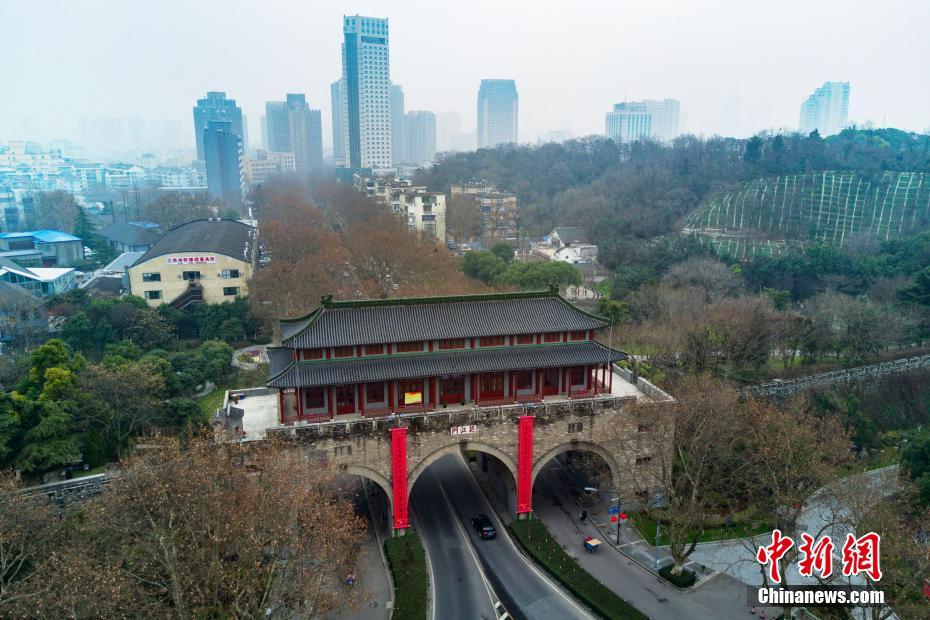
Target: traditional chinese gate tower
(360, 360)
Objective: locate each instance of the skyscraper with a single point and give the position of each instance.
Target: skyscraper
(293, 127)
(367, 102)
(629, 122)
(216, 107)
(399, 147)
(223, 161)
(497, 113)
(448, 124)
(644, 120)
(826, 110)
(421, 136)
(276, 118)
(340, 139)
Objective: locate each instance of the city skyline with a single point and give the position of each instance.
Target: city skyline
(721, 92)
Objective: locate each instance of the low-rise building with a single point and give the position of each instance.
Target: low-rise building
(423, 210)
(40, 281)
(497, 210)
(131, 236)
(57, 249)
(265, 164)
(201, 261)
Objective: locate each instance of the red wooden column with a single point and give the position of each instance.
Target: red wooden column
(361, 397)
(281, 406)
(399, 477)
(390, 395)
(610, 380)
(525, 466)
(331, 401)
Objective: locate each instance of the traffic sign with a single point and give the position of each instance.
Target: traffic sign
(613, 519)
(613, 510)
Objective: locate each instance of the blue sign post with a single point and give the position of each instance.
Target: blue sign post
(613, 510)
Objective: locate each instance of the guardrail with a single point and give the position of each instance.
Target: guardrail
(68, 491)
(848, 375)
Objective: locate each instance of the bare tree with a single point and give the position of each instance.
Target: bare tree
(207, 530)
(685, 455)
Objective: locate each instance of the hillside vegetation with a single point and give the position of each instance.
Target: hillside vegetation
(773, 215)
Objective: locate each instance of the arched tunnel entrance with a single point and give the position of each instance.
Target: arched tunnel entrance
(576, 476)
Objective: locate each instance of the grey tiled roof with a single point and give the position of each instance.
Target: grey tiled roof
(454, 317)
(130, 234)
(227, 237)
(278, 360)
(384, 368)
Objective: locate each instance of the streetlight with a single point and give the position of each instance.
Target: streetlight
(656, 563)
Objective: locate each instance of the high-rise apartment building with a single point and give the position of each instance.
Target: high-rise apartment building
(292, 127)
(216, 107)
(367, 102)
(399, 146)
(448, 125)
(421, 136)
(223, 161)
(644, 120)
(276, 121)
(336, 90)
(497, 113)
(826, 110)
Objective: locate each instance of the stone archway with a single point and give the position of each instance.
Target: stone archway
(579, 446)
(457, 448)
(381, 481)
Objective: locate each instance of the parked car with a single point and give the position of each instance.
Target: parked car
(483, 527)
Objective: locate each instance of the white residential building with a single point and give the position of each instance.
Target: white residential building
(826, 110)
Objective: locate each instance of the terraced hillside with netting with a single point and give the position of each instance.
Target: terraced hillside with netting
(775, 215)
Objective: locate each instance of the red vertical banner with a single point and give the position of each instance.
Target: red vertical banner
(525, 466)
(399, 476)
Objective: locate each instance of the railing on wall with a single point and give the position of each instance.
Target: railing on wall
(791, 386)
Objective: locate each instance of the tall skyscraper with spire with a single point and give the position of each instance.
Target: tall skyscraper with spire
(366, 103)
(497, 113)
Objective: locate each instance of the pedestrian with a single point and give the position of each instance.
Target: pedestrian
(350, 580)
(584, 516)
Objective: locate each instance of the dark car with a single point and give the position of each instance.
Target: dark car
(482, 525)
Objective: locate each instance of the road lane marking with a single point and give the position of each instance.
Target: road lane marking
(474, 556)
(584, 613)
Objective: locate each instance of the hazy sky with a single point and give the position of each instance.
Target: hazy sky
(737, 66)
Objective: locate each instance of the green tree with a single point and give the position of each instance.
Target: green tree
(48, 439)
(482, 265)
(915, 458)
(538, 275)
(502, 251)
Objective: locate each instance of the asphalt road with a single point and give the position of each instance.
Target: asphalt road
(444, 500)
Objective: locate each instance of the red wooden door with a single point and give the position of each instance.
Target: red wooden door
(550, 381)
(492, 385)
(345, 399)
(452, 390)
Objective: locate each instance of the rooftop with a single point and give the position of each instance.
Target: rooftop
(123, 261)
(131, 233)
(349, 323)
(44, 236)
(228, 237)
(416, 365)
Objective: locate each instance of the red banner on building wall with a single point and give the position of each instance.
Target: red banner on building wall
(525, 466)
(399, 476)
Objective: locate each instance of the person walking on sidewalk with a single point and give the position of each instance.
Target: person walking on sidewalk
(584, 516)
